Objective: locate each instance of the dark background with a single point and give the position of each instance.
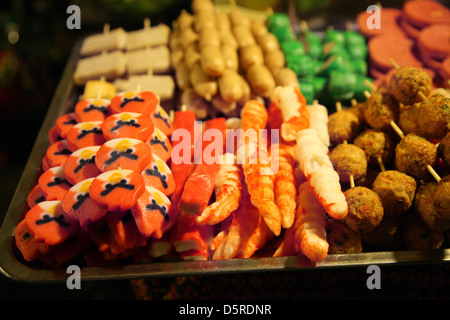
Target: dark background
(30, 70)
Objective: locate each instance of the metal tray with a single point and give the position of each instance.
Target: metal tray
(15, 268)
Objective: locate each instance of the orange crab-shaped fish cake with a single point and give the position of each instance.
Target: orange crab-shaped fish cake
(57, 153)
(81, 165)
(78, 205)
(92, 109)
(158, 174)
(63, 124)
(117, 189)
(125, 153)
(49, 223)
(160, 144)
(130, 101)
(162, 120)
(128, 125)
(25, 242)
(85, 134)
(53, 183)
(53, 134)
(101, 235)
(153, 213)
(35, 196)
(125, 230)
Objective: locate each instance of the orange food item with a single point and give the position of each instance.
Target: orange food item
(128, 125)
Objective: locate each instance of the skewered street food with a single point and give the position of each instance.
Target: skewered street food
(409, 84)
(349, 161)
(377, 144)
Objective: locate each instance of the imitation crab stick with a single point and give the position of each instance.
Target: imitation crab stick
(80, 165)
(125, 153)
(128, 125)
(49, 223)
(130, 101)
(92, 110)
(117, 189)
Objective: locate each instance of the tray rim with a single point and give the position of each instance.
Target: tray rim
(18, 271)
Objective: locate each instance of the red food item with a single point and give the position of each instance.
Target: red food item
(389, 23)
(117, 190)
(183, 124)
(78, 204)
(101, 235)
(53, 183)
(63, 124)
(35, 196)
(53, 134)
(445, 71)
(85, 134)
(189, 237)
(128, 125)
(141, 102)
(422, 13)
(385, 47)
(153, 213)
(57, 153)
(124, 229)
(125, 153)
(181, 173)
(162, 121)
(434, 41)
(25, 242)
(67, 251)
(92, 110)
(49, 223)
(81, 165)
(160, 145)
(410, 30)
(158, 174)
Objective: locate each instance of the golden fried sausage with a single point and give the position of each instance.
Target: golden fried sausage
(204, 85)
(246, 90)
(209, 36)
(199, 6)
(250, 55)
(223, 21)
(230, 86)
(212, 60)
(286, 77)
(231, 57)
(258, 28)
(228, 38)
(185, 20)
(275, 60)
(238, 18)
(192, 55)
(268, 42)
(226, 107)
(182, 75)
(204, 20)
(244, 36)
(192, 101)
(188, 37)
(261, 80)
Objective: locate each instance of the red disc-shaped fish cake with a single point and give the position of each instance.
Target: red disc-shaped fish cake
(101, 235)
(57, 153)
(153, 213)
(117, 189)
(162, 120)
(53, 183)
(158, 174)
(127, 125)
(160, 144)
(124, 153)
(92, 110)
(25, 242)
(85, 134)
(45, 164)
(49, 223)
(124, 229)
(81, 165)
(64, 123)
(35, 196)
(79, 206)
(130, 101)
(53, 134)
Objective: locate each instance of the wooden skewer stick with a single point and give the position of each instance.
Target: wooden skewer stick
(352, 179)
(370, 85)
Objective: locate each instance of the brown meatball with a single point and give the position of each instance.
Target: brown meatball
(406, 83)
(441, 197)
(396, 190)
(358, 110)
(408, 119)
(342, 239)
(426, 210)
(349, 160)
(381, 109)
(417, 236)
(413, 154)
(342, 126)
(434, 117)
(376, 144)
(385, 236)
(365, 210)
(444, 150)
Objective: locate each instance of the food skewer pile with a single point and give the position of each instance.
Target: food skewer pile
(113, 188)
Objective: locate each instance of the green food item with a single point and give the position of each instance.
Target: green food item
(360, 66)
(335, 36)
(361, 86)
(342, 85)
(337, 63)
(354, 38)
(358, 51)
(283, 33)
(334, 49)
(301, 64)
(309, 36)
(278, 20)
(314, 49)
(307, 89)
(292, 46)
(320, 88)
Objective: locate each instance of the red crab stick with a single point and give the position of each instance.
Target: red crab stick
(125, 153)
(81, 165)
(153, 213)
(128, 125)
(204, 175)
(117, 190)
(78, 204)
(53, 183)
(189, 237)
(158, 174)
(49, 223)
(142, 102)
(92, 110)
(85, 134)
